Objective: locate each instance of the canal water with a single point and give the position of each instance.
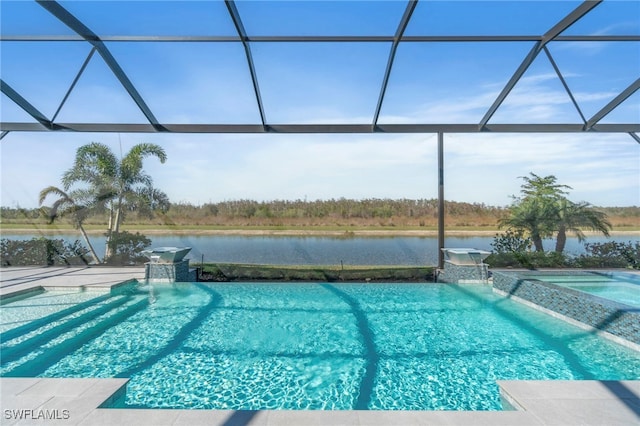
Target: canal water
(315, 250)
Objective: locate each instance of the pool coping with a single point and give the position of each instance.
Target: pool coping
(15, 281)
(547, 402)
(75, 401)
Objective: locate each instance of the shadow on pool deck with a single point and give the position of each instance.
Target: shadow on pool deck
(626, 395)
(241, 418)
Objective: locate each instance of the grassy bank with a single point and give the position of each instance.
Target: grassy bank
(244, 272)
(340, 231)
(368, 217)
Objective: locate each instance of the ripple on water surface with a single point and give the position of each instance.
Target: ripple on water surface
(336, 346)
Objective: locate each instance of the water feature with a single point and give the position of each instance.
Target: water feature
(168, 264)
(166, 254)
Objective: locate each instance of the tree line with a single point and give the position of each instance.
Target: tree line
(337, 208)
(373, 208)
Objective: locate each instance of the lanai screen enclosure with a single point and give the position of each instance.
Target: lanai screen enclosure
(400, 50)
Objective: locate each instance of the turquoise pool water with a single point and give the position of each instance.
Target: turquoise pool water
(309, 346)
(620, 287)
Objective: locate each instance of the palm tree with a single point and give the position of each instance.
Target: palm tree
(572, 217)
(533, 216)
(540, 187)
(544, 210)
(114, 183)
(535, 211)
(65, 205)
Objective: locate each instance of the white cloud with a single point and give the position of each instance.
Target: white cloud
(320, 166)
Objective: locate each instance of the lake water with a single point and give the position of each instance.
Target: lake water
(314, 250)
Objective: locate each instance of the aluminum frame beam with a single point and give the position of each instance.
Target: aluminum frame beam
(564, 84)
(76, 25)
(74, 82)
(84, 34)
(237, 22)
(24, 104)
(406, 17)
(320, 128)
(319, 39)
(613, 104)
(441, 202)
(564, 23)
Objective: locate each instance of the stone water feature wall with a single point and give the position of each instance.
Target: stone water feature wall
(169, 272)
(464, 274)
(620, 320)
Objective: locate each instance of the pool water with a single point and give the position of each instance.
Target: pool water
(21, 310)
(623, 288)
(312, 346)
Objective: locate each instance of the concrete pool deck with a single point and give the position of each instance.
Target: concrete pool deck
(15, 280)
(72, 401)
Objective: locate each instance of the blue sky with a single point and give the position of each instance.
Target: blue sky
(329, 83)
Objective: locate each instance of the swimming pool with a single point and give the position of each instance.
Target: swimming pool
(307, 346)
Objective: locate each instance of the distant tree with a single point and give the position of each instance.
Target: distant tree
(543, 210)
(65, 205)
(115, 185)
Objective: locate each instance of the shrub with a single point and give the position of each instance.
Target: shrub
(530, 260)
(611, 254)
(42, 251)
(127, 248)
(512, 250)
(511, 241)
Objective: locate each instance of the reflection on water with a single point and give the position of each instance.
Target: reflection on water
(311, 250)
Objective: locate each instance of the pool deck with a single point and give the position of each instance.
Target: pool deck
(15, 280)
(73, 401)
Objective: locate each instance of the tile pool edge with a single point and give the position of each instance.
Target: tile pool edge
(609, 319)
(19, 294)
(571, 321)
(589, 402)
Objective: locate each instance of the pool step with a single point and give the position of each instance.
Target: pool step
(62, 346)
(38, 323)
(14, 337)
(11, 353)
